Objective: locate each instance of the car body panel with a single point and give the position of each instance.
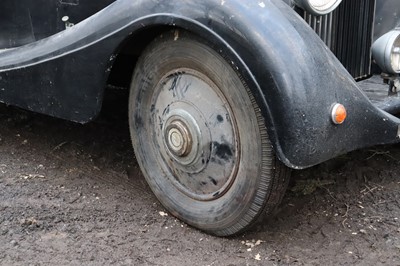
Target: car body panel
(295, 78)
(26, 21)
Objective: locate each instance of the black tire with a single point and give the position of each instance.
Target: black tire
(200, 139)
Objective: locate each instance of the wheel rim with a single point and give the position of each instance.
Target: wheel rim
(196, 134)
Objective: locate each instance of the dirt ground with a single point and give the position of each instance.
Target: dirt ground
(73, 194)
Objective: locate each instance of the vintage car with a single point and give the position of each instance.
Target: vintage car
(226, 96)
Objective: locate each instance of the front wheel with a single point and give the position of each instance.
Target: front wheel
(200, 139)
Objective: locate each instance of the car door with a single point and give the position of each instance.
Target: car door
(26, 21)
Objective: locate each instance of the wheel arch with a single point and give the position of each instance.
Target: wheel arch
(135, 43)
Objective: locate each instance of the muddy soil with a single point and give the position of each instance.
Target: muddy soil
(73, 194)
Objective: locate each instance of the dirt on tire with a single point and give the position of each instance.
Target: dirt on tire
(73, 194)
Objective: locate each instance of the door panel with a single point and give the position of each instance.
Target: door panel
(15, 24)
(26, 21)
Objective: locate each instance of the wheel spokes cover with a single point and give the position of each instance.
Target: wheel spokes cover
(193, 127)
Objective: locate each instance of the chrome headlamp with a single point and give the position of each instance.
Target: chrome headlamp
(386, 52)
(318, 7)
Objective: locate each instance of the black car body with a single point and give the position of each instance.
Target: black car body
(57, 57)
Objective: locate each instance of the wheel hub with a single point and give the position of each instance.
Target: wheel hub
(182, 137)
(196, 135)
(178, 138)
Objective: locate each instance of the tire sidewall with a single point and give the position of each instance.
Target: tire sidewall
(231, 211)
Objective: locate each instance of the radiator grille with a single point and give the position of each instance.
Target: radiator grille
(348, 32)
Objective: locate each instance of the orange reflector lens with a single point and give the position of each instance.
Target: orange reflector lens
(339, 114)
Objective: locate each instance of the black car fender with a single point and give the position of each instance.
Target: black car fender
(295, 78)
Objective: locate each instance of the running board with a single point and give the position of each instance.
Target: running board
(378, 93)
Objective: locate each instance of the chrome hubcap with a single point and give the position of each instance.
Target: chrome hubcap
(196, 134)
(178, 139)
